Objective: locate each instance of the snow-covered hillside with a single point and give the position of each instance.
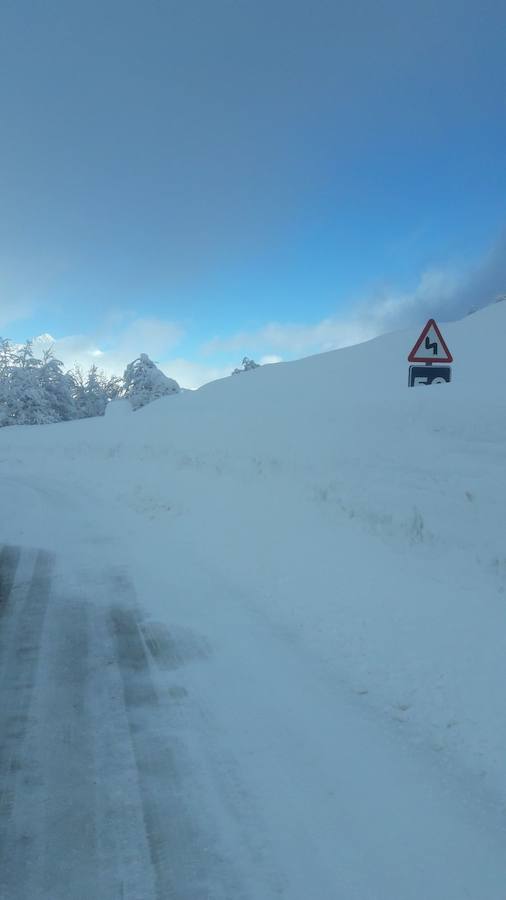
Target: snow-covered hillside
(316, 522)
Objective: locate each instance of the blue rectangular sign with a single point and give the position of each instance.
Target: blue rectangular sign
(429, 375)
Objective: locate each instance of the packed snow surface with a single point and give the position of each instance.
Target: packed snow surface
(324, 550)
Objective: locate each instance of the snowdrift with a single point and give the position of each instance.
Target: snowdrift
(366, 519)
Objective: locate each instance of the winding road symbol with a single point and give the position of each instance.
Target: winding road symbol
(432, 342)
(431, 346)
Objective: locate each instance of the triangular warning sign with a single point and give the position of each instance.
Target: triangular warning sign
(430, 346)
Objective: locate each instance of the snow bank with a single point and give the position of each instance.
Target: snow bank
(365, 519)
(118, 409)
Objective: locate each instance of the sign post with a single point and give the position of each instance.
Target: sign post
(430, 348)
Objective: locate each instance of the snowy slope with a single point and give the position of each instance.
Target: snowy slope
(337, 541)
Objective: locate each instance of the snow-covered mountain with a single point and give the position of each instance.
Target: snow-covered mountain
(356, 528)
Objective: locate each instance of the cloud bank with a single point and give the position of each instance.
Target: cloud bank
(445, 294)
(115, 345)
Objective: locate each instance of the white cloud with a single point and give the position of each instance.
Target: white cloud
(112, 352)
(292, 338)
(270, 358)
(152, 336)
(192, 373)
(440, 293)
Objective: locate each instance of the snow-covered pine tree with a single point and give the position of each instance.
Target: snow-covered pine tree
(6, 353)
(78, 388)
(24, 401)
(33, 391)
(247, 364)
(93, 391)
(23, 358)
(143, 382)
(57, 388)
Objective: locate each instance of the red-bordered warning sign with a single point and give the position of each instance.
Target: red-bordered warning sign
(430, 346)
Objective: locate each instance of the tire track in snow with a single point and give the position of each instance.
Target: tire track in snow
(22, 626)
(98, 792)
(20, 658)
(66, 755)
(9, 558)
(185, 865)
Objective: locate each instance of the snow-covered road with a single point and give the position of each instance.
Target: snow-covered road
(95, 783)
(141, 761)
(252, 638)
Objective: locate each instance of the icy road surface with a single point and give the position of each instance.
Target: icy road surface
(140, 762)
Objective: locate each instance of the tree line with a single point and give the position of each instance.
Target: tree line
(37, 391)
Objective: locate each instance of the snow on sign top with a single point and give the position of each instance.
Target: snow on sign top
(430, 346)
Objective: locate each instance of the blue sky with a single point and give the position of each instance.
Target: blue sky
(206, 179)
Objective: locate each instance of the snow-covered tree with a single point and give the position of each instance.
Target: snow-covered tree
(112, 385)
(37, 391)
(143, 382)
(23, 399)
(247, 364)
(57, 388)
(23, 358)
(33, 391)
(6, 354)
(92, 392)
